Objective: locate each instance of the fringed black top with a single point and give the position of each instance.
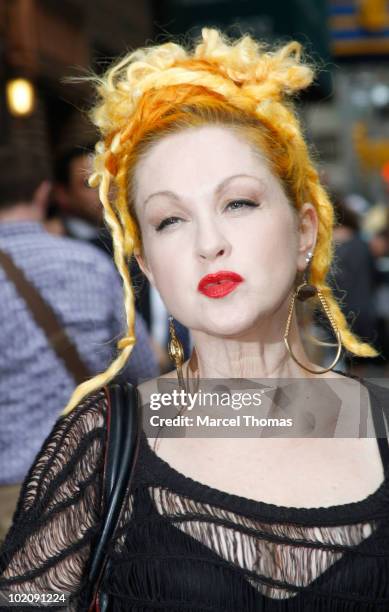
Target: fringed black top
(183, 545)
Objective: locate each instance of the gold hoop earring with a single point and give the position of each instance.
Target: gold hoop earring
(304, 292)
(176, 352)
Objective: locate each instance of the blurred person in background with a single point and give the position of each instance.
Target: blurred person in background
(379, 247)
(81, 217)
(79, 207)
(83, 290)
(353, 278)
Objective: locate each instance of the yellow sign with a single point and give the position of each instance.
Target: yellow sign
(372, 14)
(372, 153)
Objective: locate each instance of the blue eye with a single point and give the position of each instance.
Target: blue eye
(165, 222)
(238, 204)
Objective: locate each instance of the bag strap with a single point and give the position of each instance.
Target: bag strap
(46, 319)
(122, 447)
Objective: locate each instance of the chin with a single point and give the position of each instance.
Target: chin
(234, 326)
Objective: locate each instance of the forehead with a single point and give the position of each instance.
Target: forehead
(196, 160)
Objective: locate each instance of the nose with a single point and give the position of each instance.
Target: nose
(211, 241)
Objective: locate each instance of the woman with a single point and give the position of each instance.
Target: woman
(203, 170)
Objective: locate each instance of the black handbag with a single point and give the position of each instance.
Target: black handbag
(122, 446)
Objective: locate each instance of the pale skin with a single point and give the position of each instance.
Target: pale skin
(222, 208)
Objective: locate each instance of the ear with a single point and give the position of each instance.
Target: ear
(61, 196)
(308, 227)
(142, 263)
(41, 197)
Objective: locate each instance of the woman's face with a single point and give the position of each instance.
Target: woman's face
(206, 202)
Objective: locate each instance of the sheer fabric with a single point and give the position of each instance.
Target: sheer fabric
(182, 545)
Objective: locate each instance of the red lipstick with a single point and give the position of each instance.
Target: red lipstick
(219, 284)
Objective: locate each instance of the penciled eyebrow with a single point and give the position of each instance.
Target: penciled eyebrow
(218, 189)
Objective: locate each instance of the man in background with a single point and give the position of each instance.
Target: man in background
(81, 285)
(79, 207)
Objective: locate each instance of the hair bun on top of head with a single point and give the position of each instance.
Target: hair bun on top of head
(248, 62)
(215, 62)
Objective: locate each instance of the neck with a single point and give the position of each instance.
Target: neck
(20, 212)
(261, 353)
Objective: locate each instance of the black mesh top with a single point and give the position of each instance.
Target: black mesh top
(183, 545)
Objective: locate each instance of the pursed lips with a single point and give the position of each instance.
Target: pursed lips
(219, 284)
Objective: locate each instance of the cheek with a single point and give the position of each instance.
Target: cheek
(269, 252)
(168, 265)
(282, 258)
(273, 239)
(171, 280)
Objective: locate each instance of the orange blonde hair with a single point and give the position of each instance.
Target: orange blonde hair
(163, 89)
